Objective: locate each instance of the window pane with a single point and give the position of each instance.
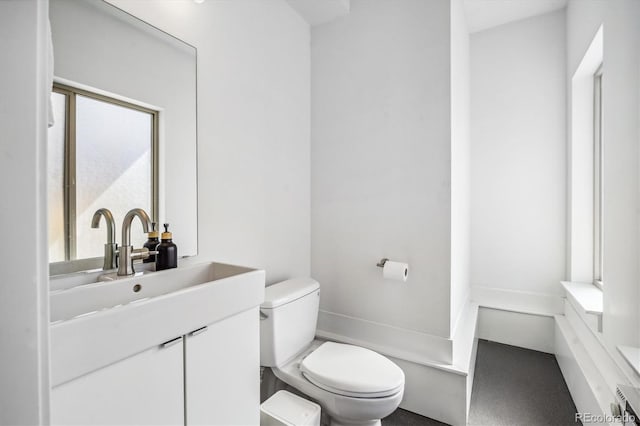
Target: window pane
(55, 181)
(113, 169)
(597, 178)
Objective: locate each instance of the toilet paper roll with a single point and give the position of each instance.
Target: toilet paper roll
(397, 271)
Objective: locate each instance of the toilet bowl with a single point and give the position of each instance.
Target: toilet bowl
(354, 385)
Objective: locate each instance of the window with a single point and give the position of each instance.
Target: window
(586, 149)
(597, 178)
(102, 153)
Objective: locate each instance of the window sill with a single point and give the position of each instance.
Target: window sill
(632, 356)
(586, 298)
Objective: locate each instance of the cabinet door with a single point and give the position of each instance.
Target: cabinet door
(145, 389)
(222, 365)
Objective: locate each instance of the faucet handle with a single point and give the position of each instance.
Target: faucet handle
(142, 253)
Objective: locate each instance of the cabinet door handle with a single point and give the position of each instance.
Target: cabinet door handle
(171, 342)
(199, 331)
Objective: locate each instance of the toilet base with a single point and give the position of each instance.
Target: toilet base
(342, 410)
(336, 422)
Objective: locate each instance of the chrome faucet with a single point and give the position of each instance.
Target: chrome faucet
(111, 247)
(127, 254)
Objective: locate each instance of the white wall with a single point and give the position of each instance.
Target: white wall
(24, 308)
(621, 186)
(518, 158)
(381, 166)
(253, 128)
(460, 162)
(621, 136)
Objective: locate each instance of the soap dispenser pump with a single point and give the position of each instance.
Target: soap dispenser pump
(151, 243)
(167, 256)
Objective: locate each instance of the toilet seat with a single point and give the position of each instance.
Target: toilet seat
(352, 371)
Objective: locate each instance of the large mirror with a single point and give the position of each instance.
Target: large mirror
(124, 133)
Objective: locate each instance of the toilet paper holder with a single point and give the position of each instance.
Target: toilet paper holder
(382, 262)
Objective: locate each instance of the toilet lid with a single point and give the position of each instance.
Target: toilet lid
(352, 371)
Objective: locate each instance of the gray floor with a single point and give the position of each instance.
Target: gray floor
(512, 386)
(401, 417)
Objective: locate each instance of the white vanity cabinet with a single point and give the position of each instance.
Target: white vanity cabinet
(212, 374)
(144, 389)
(167, 348)
(222, 372)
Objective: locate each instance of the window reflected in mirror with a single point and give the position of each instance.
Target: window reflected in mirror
(102, 153)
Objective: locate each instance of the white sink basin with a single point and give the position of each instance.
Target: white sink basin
(74, 279)
(112, 291)
(96, 324)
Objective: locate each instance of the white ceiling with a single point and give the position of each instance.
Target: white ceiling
(484, 14)
(480, 14)
(317, 12)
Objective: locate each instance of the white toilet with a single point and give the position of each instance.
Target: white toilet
(354, 385)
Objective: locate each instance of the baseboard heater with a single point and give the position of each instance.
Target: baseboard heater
(627, 406)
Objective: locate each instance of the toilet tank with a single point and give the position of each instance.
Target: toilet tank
(288, 318)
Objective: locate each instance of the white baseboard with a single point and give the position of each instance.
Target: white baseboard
(528, 331)
(414, 346)
(517, 301)
(426, 349)
(472, 373)
(517, 318)
(434, 393)
(609, 364)
(586, 385)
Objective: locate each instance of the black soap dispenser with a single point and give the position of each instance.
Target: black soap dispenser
(167, 256)
(151, 243)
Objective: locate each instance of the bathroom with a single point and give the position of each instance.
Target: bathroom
(454, 136)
